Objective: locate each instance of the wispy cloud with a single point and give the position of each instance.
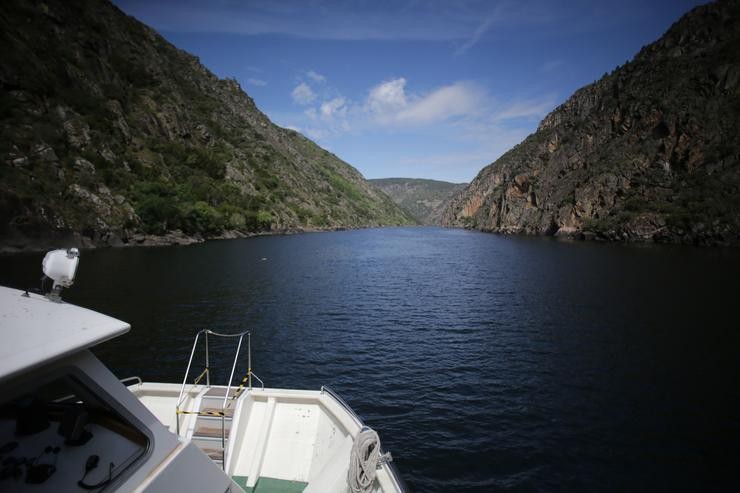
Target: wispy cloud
(465, 164)
(335, 107)
(551, 65)
(534, 109)
(463, 107)
(256, 82)
(477, 35)
(457, 100)
(316, 133)
(315, 76)
(302, 94)
(478, 158)
(435, 20)
(389, 103)
(463, 114)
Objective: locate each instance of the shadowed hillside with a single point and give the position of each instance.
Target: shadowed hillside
(111, 135)
(649, 152)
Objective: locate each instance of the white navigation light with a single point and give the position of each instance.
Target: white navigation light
(60, 266)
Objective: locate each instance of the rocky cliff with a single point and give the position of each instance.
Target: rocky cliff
(648, 152)
(425, 200)
(112, 135)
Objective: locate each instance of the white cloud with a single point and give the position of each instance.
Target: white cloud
(463, 114)
(256, 82)
(456, 100)
(388, 102)
(302, 94)
(335, 107)
(315, 76)
(387, 98)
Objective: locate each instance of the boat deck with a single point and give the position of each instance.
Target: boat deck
(274, 440)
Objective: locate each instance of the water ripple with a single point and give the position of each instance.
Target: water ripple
(486, 363)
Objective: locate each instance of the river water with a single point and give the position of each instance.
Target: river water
(485, 362)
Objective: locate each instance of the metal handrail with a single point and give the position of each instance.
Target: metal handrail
(233, 368)
(344, 404)
(187, 372)
(262, 384)
(391, 465)
(207, 370)
(207, 373)
(218, 334)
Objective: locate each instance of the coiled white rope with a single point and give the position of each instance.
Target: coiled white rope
(363, 461)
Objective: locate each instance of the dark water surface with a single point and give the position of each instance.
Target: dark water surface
(487, 363)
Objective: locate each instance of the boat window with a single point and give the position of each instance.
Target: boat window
(66, 437)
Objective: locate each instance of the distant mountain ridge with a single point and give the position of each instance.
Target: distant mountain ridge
(650, 152)
(424, 199)
(111, 135)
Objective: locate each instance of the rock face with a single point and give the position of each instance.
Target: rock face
(110, 133)
(425, 200)
(650, 152)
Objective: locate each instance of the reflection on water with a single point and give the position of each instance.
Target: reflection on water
(485, 362)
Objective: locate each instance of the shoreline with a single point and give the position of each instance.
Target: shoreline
(21, 244)
(592, 237)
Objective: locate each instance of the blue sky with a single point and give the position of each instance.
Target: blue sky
(426, 89)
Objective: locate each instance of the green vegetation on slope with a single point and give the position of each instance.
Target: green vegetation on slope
(109, 132)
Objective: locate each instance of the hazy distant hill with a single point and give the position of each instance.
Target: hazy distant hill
(649, 152)
(110, 132)
(424, 199)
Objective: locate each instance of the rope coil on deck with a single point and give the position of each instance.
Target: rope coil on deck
(363, 461)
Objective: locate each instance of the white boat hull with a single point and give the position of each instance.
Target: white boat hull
(302, 438)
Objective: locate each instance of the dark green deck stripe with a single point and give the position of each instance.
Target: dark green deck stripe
(270, 485)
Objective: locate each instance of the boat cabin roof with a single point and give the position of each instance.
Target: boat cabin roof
(35, 330)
